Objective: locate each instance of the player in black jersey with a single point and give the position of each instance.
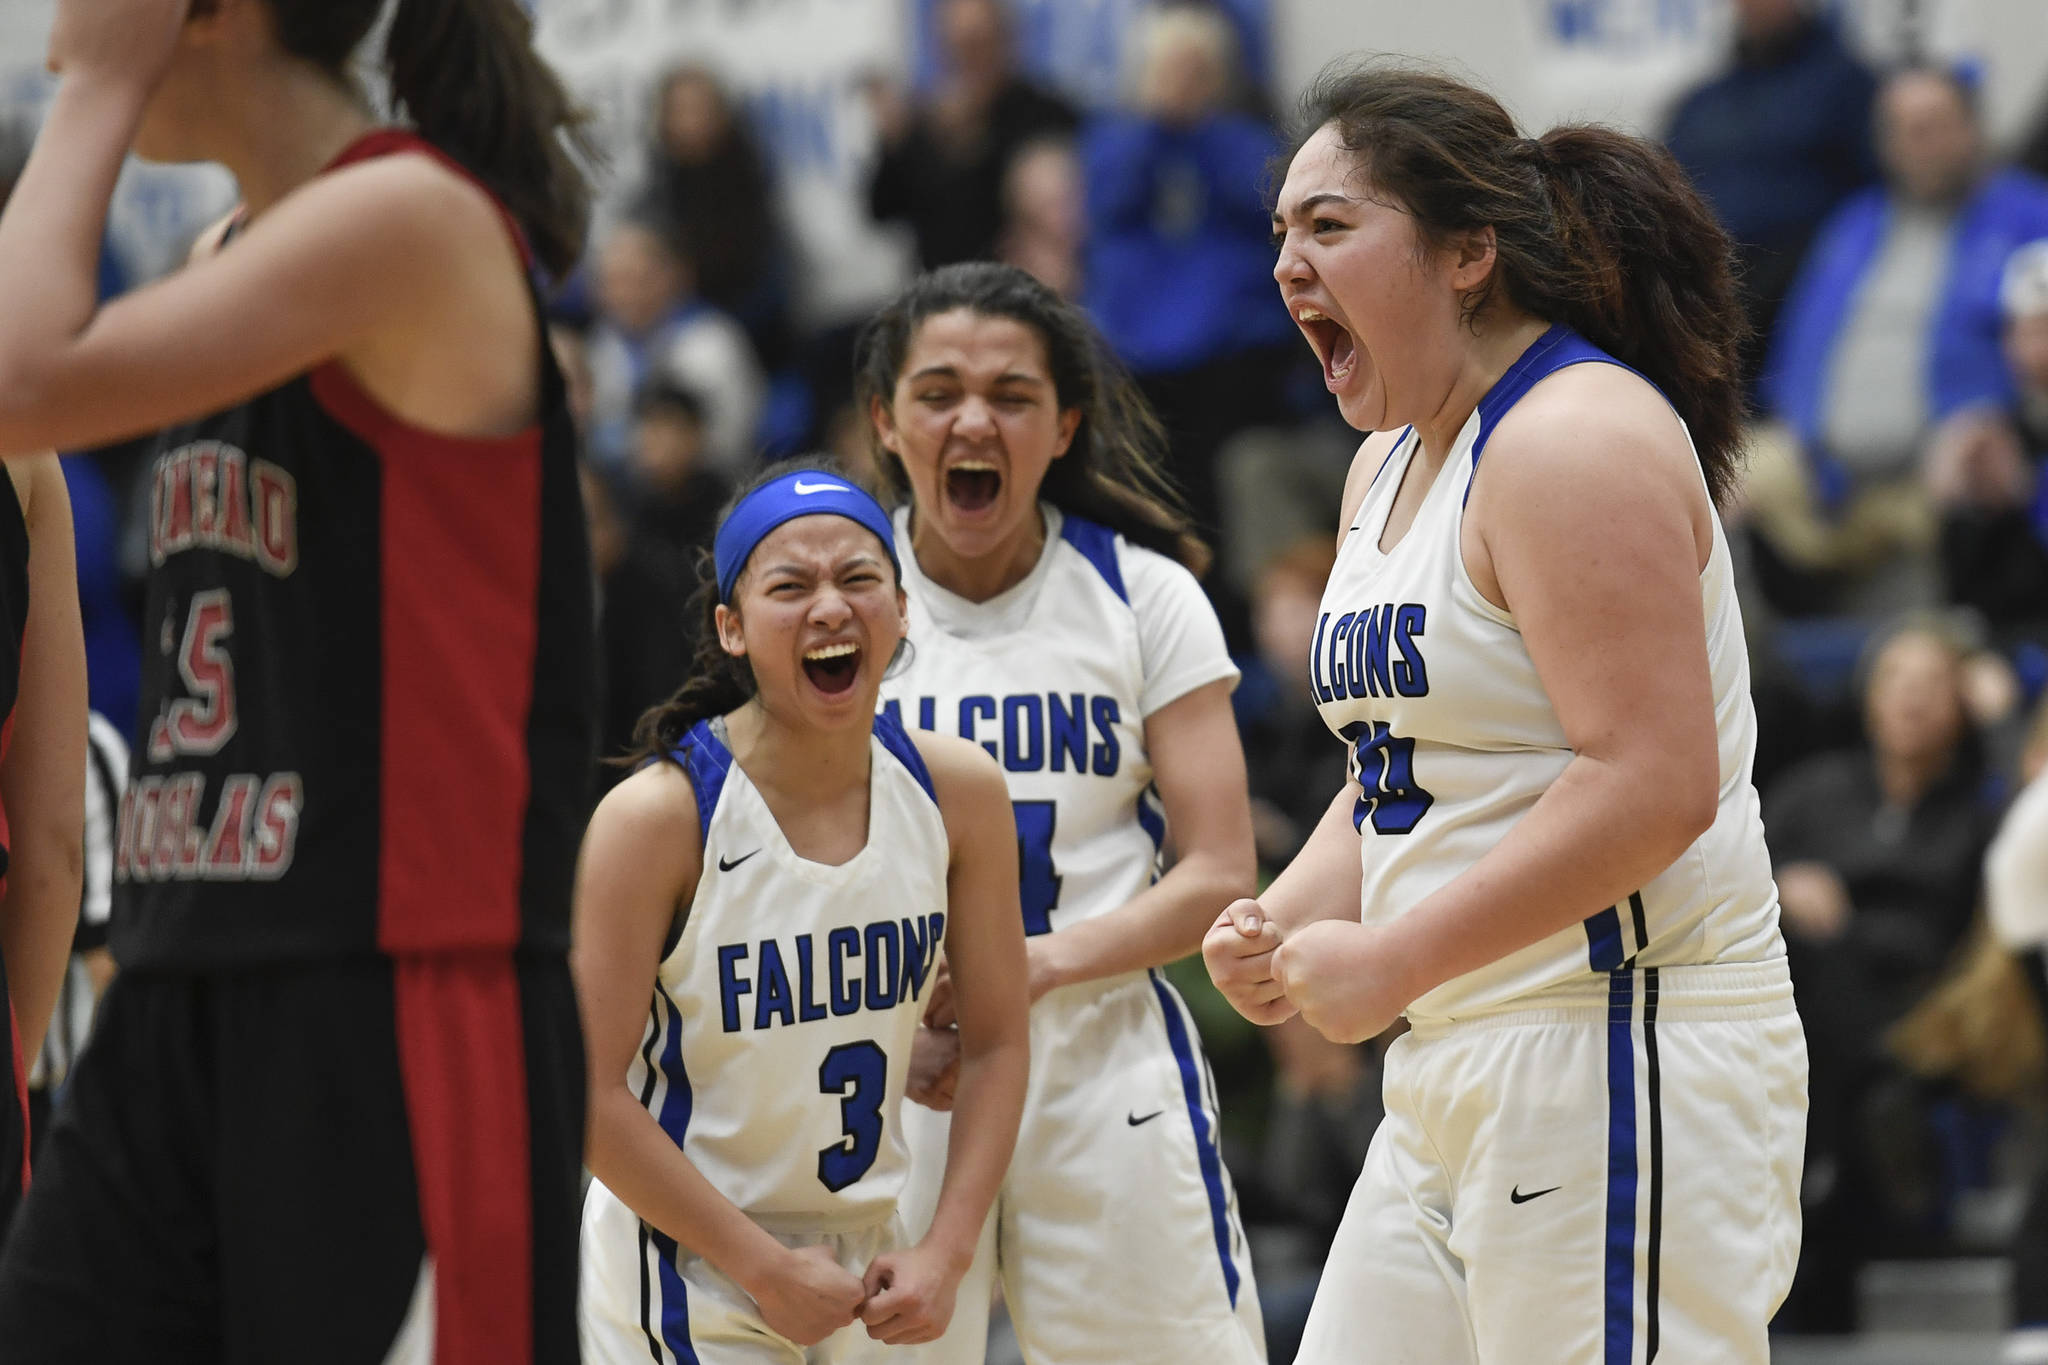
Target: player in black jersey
(42, 783)
(341, 1068)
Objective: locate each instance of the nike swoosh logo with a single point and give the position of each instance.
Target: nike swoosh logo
(1515, 1196)
(802, 487)
(724, 866)
(1134, 1120)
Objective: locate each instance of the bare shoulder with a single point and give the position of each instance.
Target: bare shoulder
(1590, 421)
(416, 208)
(964, 777)
(657, 804)
(1373, 453)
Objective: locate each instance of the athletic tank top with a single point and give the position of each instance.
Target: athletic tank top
(13, 630)
(1052, 678)
(1453, 739)
(368, 690)
(779, 1036)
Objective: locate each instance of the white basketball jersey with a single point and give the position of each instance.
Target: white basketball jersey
(780, 1032)
(1055, 677)
(1453, 738)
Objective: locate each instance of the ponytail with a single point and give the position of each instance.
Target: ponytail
(1593, 228)
(466, 74)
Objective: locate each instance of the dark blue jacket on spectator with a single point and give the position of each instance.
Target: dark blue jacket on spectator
(1179, 267)
(1780, 138)
(1965, 363)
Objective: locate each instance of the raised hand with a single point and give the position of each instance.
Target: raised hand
(123, 40)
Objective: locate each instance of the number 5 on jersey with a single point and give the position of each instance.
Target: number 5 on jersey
(204, 720)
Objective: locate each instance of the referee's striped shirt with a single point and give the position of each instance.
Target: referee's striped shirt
(106, 773)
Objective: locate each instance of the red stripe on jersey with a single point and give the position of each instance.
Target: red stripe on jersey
(392, 141)
(460, 561)
(462, 1054)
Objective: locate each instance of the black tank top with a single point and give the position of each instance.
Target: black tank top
(368, 691)
(13, 625)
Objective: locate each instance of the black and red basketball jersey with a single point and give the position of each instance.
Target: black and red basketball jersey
(368, 691)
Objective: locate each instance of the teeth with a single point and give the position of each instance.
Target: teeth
(976, 466)
(823, 652)
(1310, 315)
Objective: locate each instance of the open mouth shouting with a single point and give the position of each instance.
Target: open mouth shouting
(973, 485)
(1333, 344)
(832, 668)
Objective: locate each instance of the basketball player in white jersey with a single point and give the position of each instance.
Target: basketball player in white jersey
(1059, 627)
(759, 916)
(1549, 857)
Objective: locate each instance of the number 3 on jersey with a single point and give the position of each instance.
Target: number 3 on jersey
(1386, 774)
(864, 1067)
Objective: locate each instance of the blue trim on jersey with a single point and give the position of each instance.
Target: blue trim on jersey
(1097, 544)
(1621, 1170)
(1392, 451)
(1152, 819)
(674, 1118)
(675, 1303)
(1603, 940)
(898, 742)
(1205, 1143)
(1557, 349)
(707, 761)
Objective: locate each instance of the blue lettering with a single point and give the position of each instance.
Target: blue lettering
(1316, 662)
(917, 952)
(881, 938)
(1409, 675)
(774, 999)
(927, 714)
(1355, 654)
(1377, 626)
(1337, 634)
(808, 1007)
(840, 944)
(730, 986)
(1069, 733)
(970, 707)
(1109, 752)
(1023, 734)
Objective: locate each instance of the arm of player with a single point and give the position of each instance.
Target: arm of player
(1198, 766)
(373, 253)
(641, 859)
(911, 1292)
(42, 780)
(1594, 535)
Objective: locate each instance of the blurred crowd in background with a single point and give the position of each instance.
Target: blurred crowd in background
(1892, 534)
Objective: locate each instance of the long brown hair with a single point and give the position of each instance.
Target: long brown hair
(466, 74)
(1593, 228)
(1114, 472)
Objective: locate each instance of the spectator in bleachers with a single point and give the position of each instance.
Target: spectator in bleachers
(1875, 851)
(1776, 140)
(1893, 325)
(943, 161)
(655, 326)
(1044, 215)
(1179, 266)
(1985, 474)
(708, 181)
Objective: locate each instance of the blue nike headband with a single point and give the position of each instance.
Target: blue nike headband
(801, 493)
